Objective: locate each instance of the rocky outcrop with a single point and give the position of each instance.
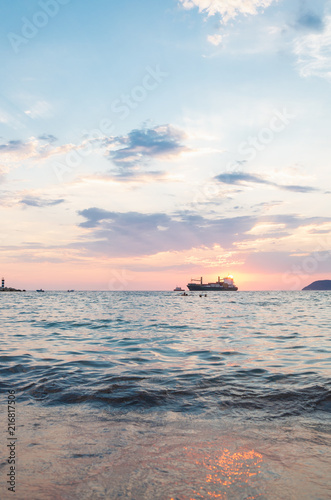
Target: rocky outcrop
(9, 289)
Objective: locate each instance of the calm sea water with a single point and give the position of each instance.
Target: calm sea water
(151, 395)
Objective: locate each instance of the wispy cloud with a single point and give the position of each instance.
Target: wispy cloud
(11, 146)
(133, 176)
(35, 201)
(36, 149)
(242, 178)
(47, 138)
(313, 51)
(228, 9)
(17, 150)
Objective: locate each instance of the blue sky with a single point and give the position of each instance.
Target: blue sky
(163, 140)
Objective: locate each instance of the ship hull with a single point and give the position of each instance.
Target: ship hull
(211, 288)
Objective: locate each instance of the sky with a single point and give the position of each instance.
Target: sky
(143, 144)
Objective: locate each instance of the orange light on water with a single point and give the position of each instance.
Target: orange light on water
(229, 468)
(226, 470)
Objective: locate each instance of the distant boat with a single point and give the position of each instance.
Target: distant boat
(225, 284)
(178, 289)
(71, 291)
(41, 290)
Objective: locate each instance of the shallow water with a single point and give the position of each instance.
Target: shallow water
(153, 395)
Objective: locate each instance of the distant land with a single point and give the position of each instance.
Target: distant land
(9, 289)
(319, 285)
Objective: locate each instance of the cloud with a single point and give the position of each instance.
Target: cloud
(239, 178)
(35, 201)
(164, 141)
(228, 9)
(141, 145)
(125, 177)
(117, 234)
(313, 52)
(47, 138)
(296, 189)
(94, 216)
(134, 233)
(17, 150)
(215, 39)
(128, 152)
(36, 149)
(12, 146)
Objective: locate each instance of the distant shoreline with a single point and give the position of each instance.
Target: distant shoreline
(321, 285)
(9, 289)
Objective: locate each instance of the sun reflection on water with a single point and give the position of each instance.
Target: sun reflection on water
(225, 472)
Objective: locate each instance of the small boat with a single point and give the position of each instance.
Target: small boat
(41, 290)
(71, 291)
(178, 289)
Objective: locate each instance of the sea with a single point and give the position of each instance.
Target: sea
(159, 396)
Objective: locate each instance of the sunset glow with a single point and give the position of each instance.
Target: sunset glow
(164, 141)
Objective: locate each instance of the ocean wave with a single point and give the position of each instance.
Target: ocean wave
(148, 352)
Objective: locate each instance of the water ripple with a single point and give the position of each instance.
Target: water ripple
(266, 353)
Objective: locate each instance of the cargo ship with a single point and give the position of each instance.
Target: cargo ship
(222, 285)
